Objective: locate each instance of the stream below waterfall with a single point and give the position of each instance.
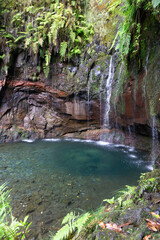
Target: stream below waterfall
(52, 177)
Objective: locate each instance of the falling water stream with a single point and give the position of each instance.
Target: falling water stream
(108, 92)
(154, 140)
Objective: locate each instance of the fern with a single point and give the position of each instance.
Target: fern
(128, 191)
(20, 38)
(127, 41)
(69, 218)
(47, 57)
(110, 201)
(79, 224)
(46, 70)
(63, 48)
(28, 42)
(10, 228)
(72, 36)
(49, 24)
(73, 224)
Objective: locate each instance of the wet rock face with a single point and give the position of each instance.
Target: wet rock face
(133, 100)
(36, 110)
(138, 104)
(67, 101)
(73, 97)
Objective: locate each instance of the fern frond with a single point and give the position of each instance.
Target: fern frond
(9, 226)
(72, 36)
(81, 221)
(63, 48)
(73, 224)
(47, 57)
(62, 233)
(69, 217)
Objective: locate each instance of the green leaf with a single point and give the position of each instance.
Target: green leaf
(2, 56)
(63, 48)
(19, 38)
(110, 201)
(72, 36)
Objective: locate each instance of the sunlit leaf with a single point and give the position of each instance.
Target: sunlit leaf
(102, 224)
(41, 41)
(155, 215)
(153, 225)
(147, 237)
(113, 227)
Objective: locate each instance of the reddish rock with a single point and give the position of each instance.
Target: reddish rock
(128, 104)
(134, 111)
(37, 87)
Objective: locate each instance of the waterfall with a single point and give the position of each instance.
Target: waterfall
(88, 95)
(108, 92)
(88, 99)
(129, 131)
(154, 139)
(101, 98)
(146, 71)
(25, 75)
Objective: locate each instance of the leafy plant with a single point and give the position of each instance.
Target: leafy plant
(48, 27)
(126, 196)
(128, 37)
(147, 184)
(110, 201)
(63, 48)
(10, 228)
(72, 224)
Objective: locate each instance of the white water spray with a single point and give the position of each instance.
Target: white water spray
(101, 98)
(154, 139)
(108, 92)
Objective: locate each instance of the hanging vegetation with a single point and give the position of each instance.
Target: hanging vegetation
(129, 34)
(45, 27)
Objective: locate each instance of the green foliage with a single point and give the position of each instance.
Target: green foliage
(110, 201)
(2, 56)
(46, 26)
(63, 48)
(10, 228)
(102, 19)
(130, 29)
(126, 196)
(72, 224)
(147, 184)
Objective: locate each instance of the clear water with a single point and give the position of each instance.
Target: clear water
(50, 178)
